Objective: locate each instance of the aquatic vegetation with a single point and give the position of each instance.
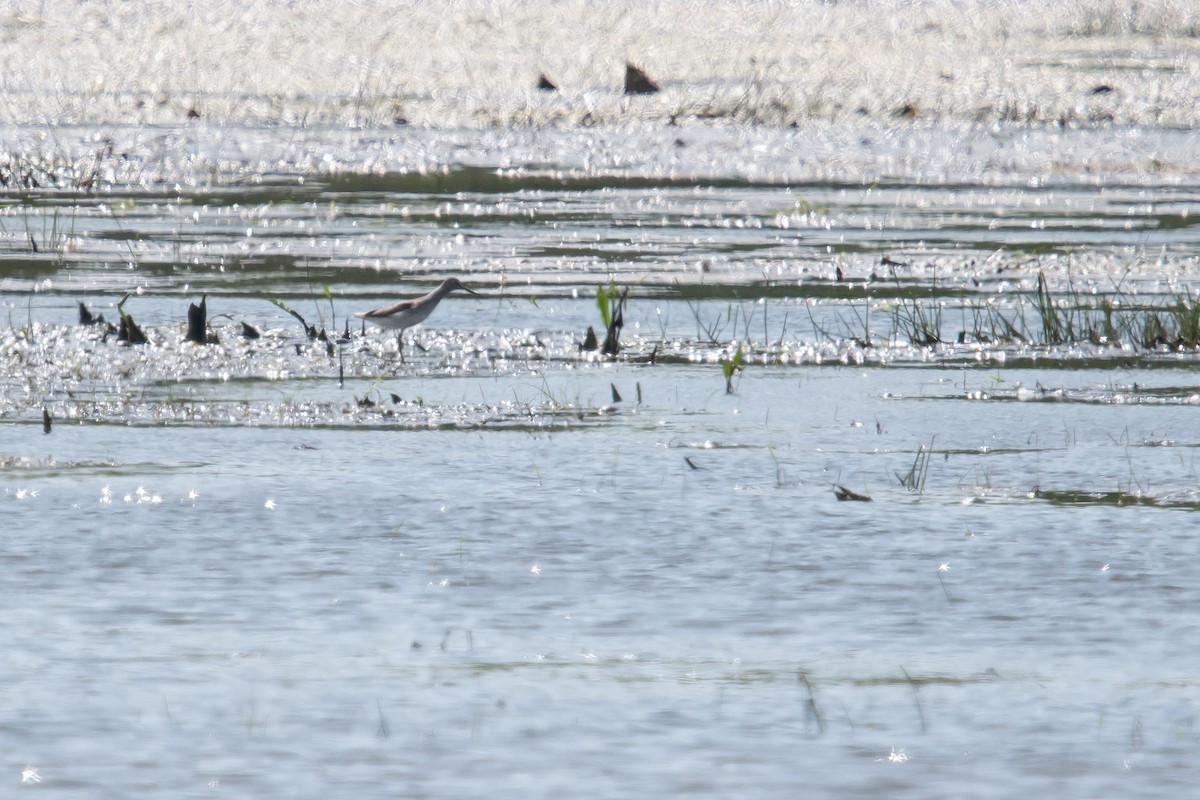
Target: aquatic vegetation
(611, 304)
(920, 323)
(1069, 318)
(994, 247)
(991, 324)
(32, 170)
(1174, 325)
(1061, 323)
(730, 367)
(75, 375)
(1117, 497)
(309, 330)
(914, 479)
(129, 331)
(1045, 318)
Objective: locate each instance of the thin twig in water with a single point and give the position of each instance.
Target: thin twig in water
(811, 712)
(943, 567)
(384, 729)
(916, 698)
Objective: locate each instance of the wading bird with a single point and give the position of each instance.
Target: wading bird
(408, 313)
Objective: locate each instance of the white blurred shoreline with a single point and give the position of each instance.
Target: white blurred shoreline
(476, 64)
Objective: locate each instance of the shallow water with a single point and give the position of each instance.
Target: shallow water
(295, 610)
(303, 568)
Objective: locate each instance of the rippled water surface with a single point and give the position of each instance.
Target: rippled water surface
(889, 492)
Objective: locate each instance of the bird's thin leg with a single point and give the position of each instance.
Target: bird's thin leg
(400, 345)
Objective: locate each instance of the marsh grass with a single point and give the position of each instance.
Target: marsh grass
(920, 323)
(129, 331)
(52, 165)
(1066, 317)
(309, 330)
(1069, 317)
(1045, 317)
(611, 304)
(1174, 325)
(730, 367)
(707, 332)
(914, 479)
(990, 325)
(332, 311)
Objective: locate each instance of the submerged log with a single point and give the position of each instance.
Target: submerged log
(842, 493)
(197, 320)
(612, 337)
(130, 332)
(88, 318)
(638, 82)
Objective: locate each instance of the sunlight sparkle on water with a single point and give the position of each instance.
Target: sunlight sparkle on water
(883, 206)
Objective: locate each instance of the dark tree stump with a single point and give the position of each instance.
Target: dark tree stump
(638, 82)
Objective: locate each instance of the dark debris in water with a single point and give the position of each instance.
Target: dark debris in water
(844, 494)
(275, 376)
(1119, 498)
(76, 374)
(637, 81)
(87, 318)
(197, 323)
